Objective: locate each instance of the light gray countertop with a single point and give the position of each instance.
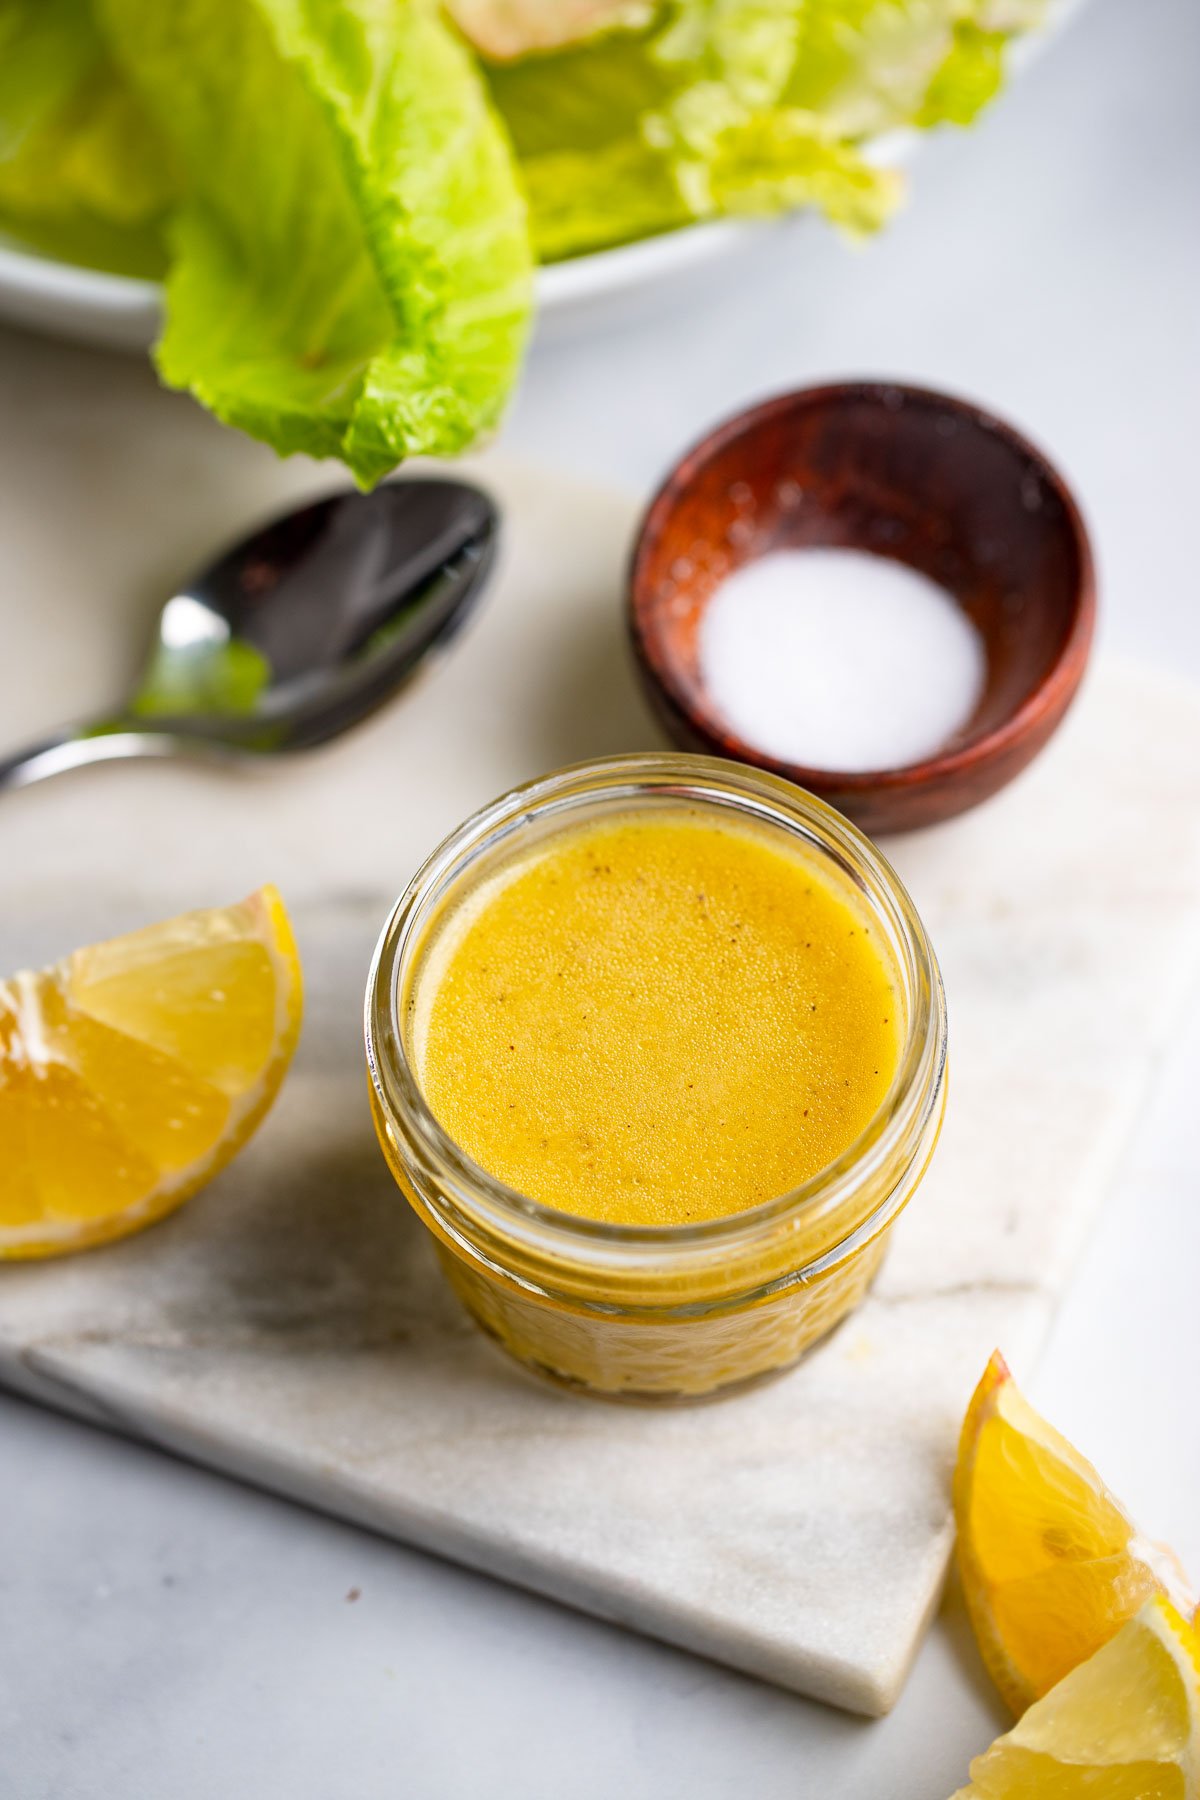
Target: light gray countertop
(169, 1635)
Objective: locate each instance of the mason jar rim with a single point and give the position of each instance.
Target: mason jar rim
(480, 1198)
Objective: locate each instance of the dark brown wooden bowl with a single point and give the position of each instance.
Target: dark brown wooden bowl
(932, 481)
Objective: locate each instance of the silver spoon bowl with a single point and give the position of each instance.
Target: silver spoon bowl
(297, 633)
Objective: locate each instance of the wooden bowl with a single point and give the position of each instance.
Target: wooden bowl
(932, 481)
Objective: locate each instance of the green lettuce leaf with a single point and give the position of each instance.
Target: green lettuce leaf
(84, 175)
(741, 106)
(350, 267)
(868, 66)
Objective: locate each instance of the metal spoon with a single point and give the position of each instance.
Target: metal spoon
(298, 632)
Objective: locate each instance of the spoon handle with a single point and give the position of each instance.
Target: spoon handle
(80, 744)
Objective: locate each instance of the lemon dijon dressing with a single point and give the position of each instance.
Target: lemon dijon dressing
(656, 1049)
(658, 1019)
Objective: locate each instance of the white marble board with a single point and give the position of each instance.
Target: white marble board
(290, 1327)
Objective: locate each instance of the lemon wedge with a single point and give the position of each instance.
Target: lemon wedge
(135, 1069)
(1051, 1564)
(1124, 1725)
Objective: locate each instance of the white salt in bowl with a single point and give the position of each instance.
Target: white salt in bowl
(897, 721)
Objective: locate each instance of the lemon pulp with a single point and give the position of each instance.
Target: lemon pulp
(135, 1069)
(1051, 1563)
(1124, 1725)
(657, 1019)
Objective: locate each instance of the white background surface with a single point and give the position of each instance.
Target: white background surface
(167, 1635)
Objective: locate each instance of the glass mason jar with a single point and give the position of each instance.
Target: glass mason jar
(657, 1312)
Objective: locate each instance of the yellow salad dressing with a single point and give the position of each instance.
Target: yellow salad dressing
(657, 1019)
